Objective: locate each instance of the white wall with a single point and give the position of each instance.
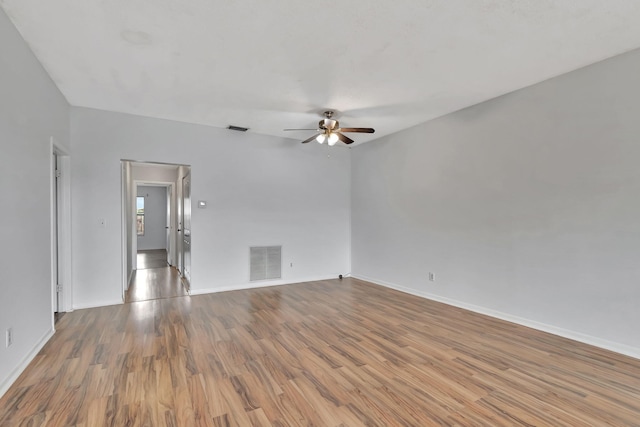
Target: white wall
(154, 173)
(32, 110)
(260, 191)
(155, 218)
(526, 206)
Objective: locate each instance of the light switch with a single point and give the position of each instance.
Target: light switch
(202, 204)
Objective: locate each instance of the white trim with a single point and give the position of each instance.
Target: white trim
(8, 382)
(64, 231)
(256, 285)
(124, 254)
(53, 223)
(565, 333)
(350, 222)
(94, 305)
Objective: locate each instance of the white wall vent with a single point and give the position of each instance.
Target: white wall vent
(265, 262)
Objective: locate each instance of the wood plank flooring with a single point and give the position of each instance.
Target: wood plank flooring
(153, 278)
(327, 353)
(155, 283)
(151, 258)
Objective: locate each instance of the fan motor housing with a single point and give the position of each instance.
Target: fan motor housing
(328, 124)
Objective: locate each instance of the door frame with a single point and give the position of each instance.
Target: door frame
(127, 200)
(169, 225)
(183, 273)
(60, 216)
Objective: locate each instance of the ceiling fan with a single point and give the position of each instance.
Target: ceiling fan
(329, 131)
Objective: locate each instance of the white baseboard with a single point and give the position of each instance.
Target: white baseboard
(565, 333)
(25, 362)
(95, 305)
(256, 285)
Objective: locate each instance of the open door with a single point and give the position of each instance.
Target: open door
(55, 211)
(60, 215)
(186, 230)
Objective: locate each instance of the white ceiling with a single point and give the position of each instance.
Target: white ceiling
(270, 65)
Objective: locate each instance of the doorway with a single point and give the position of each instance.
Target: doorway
(61, 299)
(152, 232)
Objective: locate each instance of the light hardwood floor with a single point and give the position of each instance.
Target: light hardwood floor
(155, 283)
(151, 258)
(154, 279)
(323, 353)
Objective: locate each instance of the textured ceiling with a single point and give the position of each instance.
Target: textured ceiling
(269, 65)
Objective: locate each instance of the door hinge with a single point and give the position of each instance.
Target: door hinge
(58, 288)
(58, 173)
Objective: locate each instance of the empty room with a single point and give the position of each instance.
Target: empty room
(414, 213)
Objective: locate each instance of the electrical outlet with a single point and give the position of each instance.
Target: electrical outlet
(432, 277)
(9, 337)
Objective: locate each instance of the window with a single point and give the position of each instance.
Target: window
(140, 215)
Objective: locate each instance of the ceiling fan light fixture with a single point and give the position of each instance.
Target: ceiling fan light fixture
(329, 131)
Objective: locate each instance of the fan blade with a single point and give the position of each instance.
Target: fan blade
(312, 138)
(344, 138)
(300, 129)
(359, 130)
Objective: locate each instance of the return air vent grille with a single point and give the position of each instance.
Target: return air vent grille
(266, 262)
(237, 128)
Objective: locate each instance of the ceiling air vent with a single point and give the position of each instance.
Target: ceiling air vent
(265, 262)
(238, 128)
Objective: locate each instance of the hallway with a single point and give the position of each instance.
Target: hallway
(154, 279)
